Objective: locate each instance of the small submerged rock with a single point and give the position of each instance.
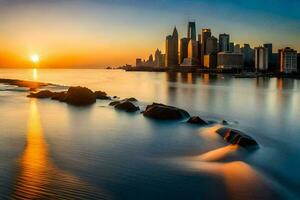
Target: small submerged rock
(224, 122)
(127, 106)
(236, 137)
(101, 95)
(131, 99)
(114, 103)
(164, 112)
(197, 120)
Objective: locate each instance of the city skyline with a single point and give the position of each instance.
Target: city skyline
(91, 34)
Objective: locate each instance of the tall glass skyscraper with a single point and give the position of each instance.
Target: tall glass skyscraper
(192, 31)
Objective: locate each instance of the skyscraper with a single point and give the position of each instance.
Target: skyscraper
(184, 43)
(193, 50)
(269, 48)
(206, 33)
(287, 60)
(237, 48)
(224, 42)
(248, 57)
(158, 58)
(261, 59)
(211, 45)
(231, 47)
(191, 34)
(171, 57)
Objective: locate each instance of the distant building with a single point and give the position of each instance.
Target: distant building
(192, 59)
(248, 53)
(184, 43)
(211, 45)
(261, 59)
(159, 59)
(269, 48)
(172, 58)
(224, 42)
(237, 48)
(230, 60)
(206, 33)
(210, 60)
(287, 60)
(231, 47)
(138, 62)
(193, 49)
(191, 34)
(298, 62)
(199, 48)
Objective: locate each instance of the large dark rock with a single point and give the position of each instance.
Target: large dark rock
(164, 112)
(41, 94)
(101, 95)
(80, 96)
(236, 137)
(197, 120)
(127, 106)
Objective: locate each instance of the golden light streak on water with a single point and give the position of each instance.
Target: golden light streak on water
(240, 179)
(38, 177)
(34, 74)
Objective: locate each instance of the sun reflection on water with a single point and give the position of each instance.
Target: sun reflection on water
(38, 177)
(34, 74)
(240, 179)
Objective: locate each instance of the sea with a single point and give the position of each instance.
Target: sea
(52, 150)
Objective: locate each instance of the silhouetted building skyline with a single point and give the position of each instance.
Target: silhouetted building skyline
(206, 50)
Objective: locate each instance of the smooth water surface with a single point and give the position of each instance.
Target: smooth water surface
(51, 150)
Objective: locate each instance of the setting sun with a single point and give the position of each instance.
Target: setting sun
(35, 58)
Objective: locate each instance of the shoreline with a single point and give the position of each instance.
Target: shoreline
(234, 73)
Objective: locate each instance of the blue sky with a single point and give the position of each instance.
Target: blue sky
(139, 27)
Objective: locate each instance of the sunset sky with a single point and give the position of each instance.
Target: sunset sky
(101, 33)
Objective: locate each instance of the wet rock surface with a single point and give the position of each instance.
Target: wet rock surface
(41, 94)
(80, 96)
(197, 120)
(164, 112)
(236, 137)
(32, 85)
(127, 106)
(101, 95)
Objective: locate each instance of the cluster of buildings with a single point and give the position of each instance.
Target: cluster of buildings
(209, 52)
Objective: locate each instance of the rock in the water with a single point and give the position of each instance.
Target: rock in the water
(236, 137)
(164, 112)
(197, 120)
(131, 99)
(60, 96)
(224, 122)
(127, 106)
(41, 94)
(101, 95)
(114, 103)
(80, 96)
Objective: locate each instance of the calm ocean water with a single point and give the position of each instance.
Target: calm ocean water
(50, 150)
